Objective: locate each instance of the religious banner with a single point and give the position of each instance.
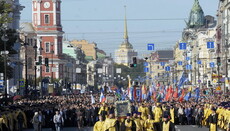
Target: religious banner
(110, 99)
(122, 108)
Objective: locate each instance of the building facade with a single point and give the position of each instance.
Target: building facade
(158, 61)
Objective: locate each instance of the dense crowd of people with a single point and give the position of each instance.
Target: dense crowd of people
(58, 112)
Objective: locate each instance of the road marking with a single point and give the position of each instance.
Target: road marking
(176, 127)
(194, 126)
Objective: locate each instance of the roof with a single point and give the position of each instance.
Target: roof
(165, 54)
(27, 27)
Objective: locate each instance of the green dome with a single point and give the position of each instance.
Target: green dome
(196, 18)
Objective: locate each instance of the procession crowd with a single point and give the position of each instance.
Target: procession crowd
(58, 112)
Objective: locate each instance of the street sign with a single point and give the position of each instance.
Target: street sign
(199, 62)
(150, 46)
(214, 81)
(188, 67)
(218, 88)
(146, 63)
(162, 63)
(167, 68)
(187, 58)
(210, 45)
(1, 84)
(21, 83)
(182, 46)
(180, 63)
(146, 69)
(212, 64)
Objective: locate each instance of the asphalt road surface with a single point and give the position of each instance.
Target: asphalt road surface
(178, 128)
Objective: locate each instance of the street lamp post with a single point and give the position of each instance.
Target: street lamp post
(5, 39)
(26, 69)
(35, 66)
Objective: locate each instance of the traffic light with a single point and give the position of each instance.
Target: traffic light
(40, 60)
(131, 65)
(134, 61)
(46, 61)
(218, 61)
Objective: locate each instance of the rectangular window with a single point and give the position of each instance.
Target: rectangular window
(47, 69)
(47, 47)
(47, 19)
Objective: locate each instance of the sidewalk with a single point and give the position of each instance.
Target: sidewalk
(66, 129)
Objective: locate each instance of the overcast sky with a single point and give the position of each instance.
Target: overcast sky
(149, 21)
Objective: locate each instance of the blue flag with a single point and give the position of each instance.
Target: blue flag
(187, 96)
(197, 94)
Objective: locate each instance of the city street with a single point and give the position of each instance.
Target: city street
(178, 128)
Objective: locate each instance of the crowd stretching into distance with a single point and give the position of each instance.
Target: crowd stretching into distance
(59, 112)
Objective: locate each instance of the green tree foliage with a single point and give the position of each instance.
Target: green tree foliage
(133, 72)
(5, 10)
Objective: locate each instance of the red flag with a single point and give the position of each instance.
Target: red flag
(182, 96)
(175, 94)
(168, 94)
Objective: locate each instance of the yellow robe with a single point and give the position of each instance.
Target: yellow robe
(149, 125)
(157, 114)
(128, 125)
(172, 115)
(102, 109)
(139, 126)
(143, 111)
(98, 126)
(109, 124)
(166, 126)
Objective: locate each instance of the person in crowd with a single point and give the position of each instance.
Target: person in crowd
(111, 123)
(181, 115)
(98, 126)
(212, 119)
(35, 121)
(58, 121)
(165, 125)
(128, 124)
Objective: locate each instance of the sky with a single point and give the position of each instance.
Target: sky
(102, 21)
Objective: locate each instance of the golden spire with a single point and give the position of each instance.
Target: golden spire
(125, 29)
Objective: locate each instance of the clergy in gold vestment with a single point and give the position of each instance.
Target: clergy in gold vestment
(166, 125)
(128, 124)
(157, 113)
(149, 124)
(111, 124)
(99, 125)
(212, 119)
(143, 111)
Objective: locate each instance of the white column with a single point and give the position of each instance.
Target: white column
(57, 71)
(38, 13)
(54, 13)
(55, 45)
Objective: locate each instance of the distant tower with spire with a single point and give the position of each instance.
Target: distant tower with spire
(125, 53)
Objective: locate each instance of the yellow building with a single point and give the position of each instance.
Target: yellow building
(90, 49)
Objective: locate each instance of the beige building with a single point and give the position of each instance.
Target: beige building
(125, 53)
(90, 49)
(158, 61)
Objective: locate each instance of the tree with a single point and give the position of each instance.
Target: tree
(133, 72)
(5, 10)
